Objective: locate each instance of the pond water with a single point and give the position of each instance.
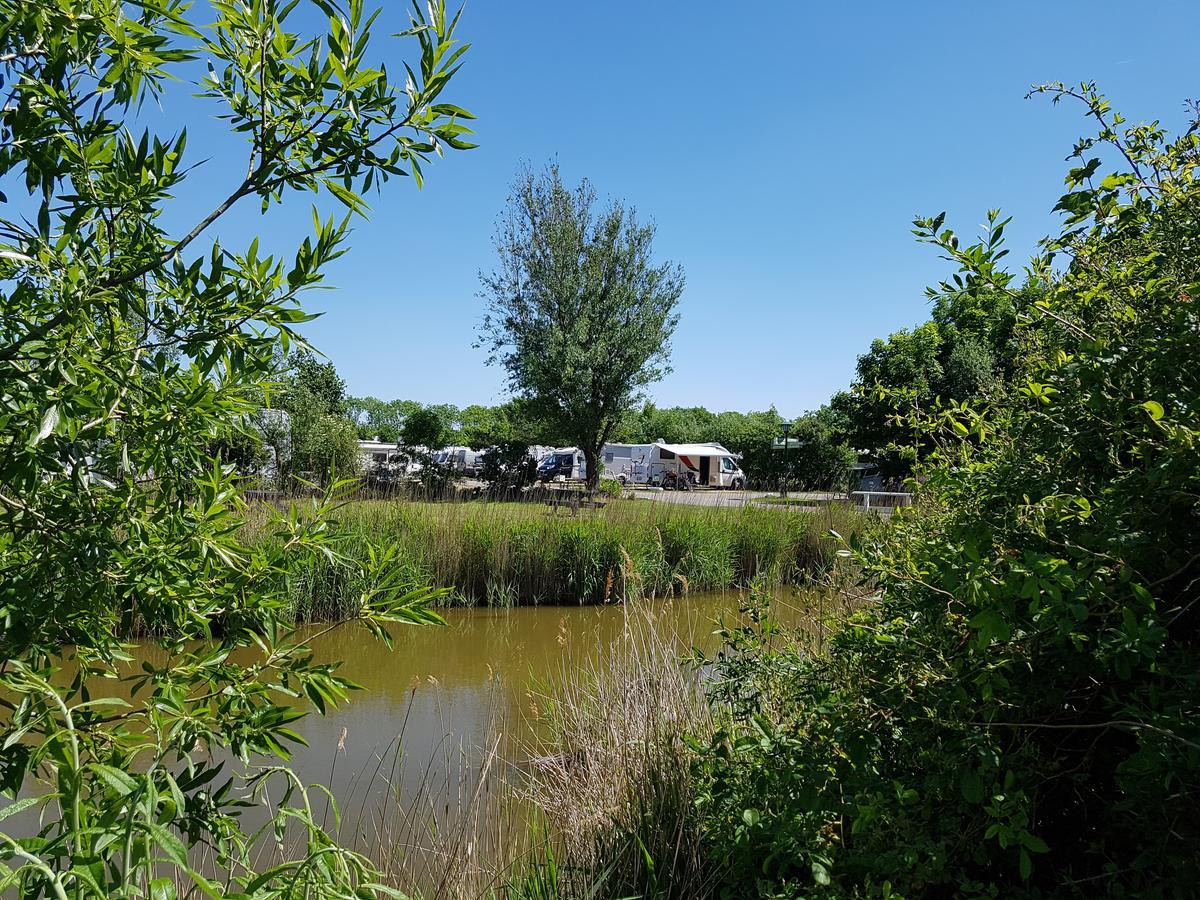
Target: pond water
(451, 698)
(450, 713)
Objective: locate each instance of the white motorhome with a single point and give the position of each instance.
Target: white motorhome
(628, 463)
(460, 459)
(377, 454)
(382, 457)
(660, 463)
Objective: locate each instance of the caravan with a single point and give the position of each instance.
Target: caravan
(384, 462)
(627, 463)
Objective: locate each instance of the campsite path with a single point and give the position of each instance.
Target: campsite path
(804, 499)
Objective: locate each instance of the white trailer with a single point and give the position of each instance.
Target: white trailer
(376, 456)
(386, 460)
(627, 463)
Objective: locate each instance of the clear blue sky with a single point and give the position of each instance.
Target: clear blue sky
(782, 148)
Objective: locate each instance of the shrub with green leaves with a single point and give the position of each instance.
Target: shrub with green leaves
(128, 353)
(1019, 713)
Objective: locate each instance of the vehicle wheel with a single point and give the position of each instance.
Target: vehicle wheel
(738, 484)
(623, 479)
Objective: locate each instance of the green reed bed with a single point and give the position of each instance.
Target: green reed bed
(507, 554)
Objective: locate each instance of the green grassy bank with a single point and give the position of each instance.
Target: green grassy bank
(508, 554)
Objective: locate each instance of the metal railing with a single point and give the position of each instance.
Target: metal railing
(888, 500)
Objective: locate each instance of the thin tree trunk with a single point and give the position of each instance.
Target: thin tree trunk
(591, 457)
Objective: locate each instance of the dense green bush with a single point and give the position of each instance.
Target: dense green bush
(1019, 713)
(611, 487)
(134, 347)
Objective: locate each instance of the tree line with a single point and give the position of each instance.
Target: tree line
(581, 317)
(825, 461)
(969, 350)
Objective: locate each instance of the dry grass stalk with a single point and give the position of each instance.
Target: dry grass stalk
(612, 770)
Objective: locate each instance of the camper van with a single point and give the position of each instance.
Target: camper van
(565, 463)
(383, 462)
(674, 465)
(460, 459)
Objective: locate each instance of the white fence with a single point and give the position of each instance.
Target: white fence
(884, 502)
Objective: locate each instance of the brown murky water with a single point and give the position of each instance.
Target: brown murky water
(446, 714)
(446, 697)
(461, 682)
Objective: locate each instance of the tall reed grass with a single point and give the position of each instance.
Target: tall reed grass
(612, 776)
(507, 554)
(594, 802)
(614, 771)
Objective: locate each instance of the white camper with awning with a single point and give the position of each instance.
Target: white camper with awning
(660, 463)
